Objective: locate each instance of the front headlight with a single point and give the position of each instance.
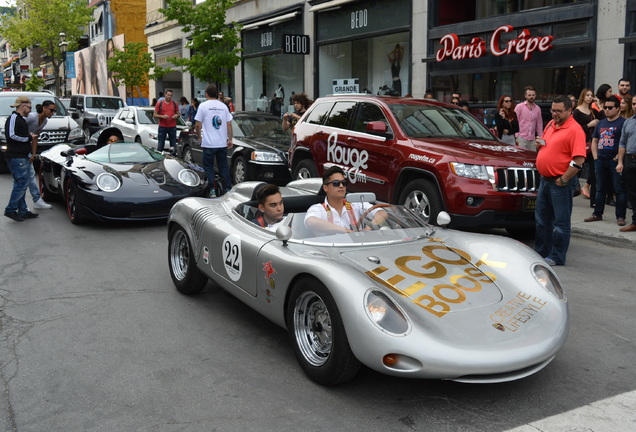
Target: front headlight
(265, 156)
(108, 182)
(75, 133)
(385, 314)
(153, 136)
(480, 172)
(189, 178)
(548, 280)
(101, 120)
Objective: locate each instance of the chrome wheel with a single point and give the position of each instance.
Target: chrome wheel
(186, 277)
(179, 255)
(418, 201)
(238, 170)
(312, 325)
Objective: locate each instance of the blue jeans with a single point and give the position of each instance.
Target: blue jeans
(161, 137)
(34, 187)
(20, 170)
(553, 219)
(605, 174)
(220, 154)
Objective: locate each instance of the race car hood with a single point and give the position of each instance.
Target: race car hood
(478, 151)
(429, 268)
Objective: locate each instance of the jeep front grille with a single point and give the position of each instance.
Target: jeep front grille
(517, 179)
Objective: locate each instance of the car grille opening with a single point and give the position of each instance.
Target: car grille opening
(517, 179)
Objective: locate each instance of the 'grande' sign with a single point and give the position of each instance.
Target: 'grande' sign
(522, 44)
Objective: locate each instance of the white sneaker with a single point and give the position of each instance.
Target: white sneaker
(41, 204)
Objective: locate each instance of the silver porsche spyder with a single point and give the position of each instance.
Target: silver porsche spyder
(402, 297)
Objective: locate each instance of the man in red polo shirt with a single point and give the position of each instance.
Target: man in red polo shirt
(167, 111)
(559, 159)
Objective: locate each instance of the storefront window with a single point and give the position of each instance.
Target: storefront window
(270, 79)
(469, 10)
(487, 87)
(378, 65)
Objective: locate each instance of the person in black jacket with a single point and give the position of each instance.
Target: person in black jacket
(21, 149)
(506, 120)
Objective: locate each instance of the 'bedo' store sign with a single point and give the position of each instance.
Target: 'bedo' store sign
(522, 44)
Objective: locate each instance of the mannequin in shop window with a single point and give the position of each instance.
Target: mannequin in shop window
(395, 58)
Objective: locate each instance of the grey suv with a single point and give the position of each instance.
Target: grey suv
(93, 112)
(61, 128)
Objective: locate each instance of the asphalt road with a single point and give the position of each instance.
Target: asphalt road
(94, 337)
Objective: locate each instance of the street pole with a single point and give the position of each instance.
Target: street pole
(63, 46)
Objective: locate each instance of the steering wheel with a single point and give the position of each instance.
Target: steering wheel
(363, 222)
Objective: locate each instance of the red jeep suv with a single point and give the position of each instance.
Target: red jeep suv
(426, 155)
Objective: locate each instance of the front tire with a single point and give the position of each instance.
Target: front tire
(186, 277)
(318, 335)
(239, 170)
(305, 169)
(71, 203)
(423, 197)
(45, 193)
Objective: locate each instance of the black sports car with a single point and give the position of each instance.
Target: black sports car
(259, 151)
(106, 180)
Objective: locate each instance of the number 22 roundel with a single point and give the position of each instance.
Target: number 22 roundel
(232, 258)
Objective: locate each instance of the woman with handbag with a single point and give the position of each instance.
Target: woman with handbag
(506, 120)
(588, 118)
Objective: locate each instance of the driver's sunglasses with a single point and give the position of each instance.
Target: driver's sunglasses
(53, 110)
(112, 140)
(337, 183)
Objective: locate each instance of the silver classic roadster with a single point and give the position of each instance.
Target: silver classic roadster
(402, 297)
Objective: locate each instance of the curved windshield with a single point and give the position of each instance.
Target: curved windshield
(104, 103)
(259, 127)
(125, 153)
(432, 121)
(7, 101)
(397, 224)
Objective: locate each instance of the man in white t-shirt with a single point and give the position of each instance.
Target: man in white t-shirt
(336, 214)
(214, 130)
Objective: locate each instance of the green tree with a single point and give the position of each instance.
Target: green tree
(214, 43)
(39, 23)
(34, 83)
(131, 66)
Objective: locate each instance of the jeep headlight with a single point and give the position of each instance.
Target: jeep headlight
(480, 172)
(189, 178)
(101, 120)
(108, 182)
(266, 156)
(548, 280)
(385, 314)
(75, 133)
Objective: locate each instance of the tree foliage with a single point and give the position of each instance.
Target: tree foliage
(131, 66)
(214, 43)
(34, 83)
(39, 23)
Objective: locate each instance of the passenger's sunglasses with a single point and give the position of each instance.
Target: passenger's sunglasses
(609, 107)
(507, 101)
(337, 183)
(112, 140)
(53, 110)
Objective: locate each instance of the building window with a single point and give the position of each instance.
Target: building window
(262, 77)
(371, 61)
(469, 10)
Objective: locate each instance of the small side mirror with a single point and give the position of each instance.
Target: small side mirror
(443, 219)
(283, 233)
(129, 121)
(378, 128)
(81, 151)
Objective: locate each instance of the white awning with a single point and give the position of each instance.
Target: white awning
(329, 5)
(272, 21)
